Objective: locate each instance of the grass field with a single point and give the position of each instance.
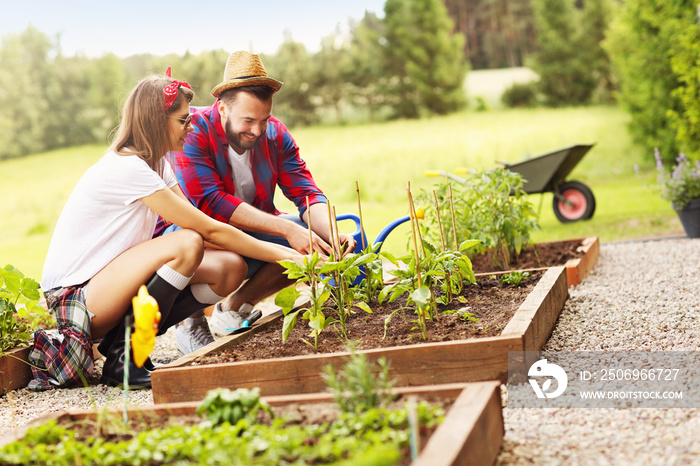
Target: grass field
(383, 159)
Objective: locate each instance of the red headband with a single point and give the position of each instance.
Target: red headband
(170, 91)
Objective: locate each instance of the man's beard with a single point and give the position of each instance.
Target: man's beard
(236, 141)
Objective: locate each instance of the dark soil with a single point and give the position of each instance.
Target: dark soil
(491, 304)
(552, 254)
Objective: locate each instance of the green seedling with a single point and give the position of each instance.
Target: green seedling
(513, 278)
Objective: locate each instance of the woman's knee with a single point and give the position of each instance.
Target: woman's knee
(190, 248)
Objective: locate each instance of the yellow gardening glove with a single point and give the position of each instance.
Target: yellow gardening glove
(146, 319)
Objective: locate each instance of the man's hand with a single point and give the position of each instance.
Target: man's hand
(299, 240)
(348, 243)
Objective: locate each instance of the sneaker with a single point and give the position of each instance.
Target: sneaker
(192, 334)
(223, 322)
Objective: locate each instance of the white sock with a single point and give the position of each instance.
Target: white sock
(173, 277)
(203, 293)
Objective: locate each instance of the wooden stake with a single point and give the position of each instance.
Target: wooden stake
(442, 239)
(415, 219)
(337, 233)
(454, 227)
(330, 226)
(359, 210)
(437, 213)
(308, 218)
(413, 234)
(454, 222)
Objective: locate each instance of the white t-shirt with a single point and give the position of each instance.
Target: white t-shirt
(242, 175)
(103, 217)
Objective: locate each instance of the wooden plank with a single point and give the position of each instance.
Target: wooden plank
(472, 432)
(15, 371)
(578, 269)
(424, 364)
(420, 364)
(537, 315)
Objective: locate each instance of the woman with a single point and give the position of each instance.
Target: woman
(102, 249)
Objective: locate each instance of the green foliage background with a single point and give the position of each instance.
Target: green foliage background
(645, 40)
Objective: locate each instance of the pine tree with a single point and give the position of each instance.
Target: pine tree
(424, 58)
(565, 73)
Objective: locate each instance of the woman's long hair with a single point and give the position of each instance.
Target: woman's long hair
(144, 124)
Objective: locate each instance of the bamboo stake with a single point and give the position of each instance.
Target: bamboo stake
(414, 218)
(454, 222)
(308, 218)
(421, 313)
(337, 233)
(359, 209)
(442, 239)
(454, 228)
(413, 234)
(437, 213)
(330, 226)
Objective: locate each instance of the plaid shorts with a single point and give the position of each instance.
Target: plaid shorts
(63, 360)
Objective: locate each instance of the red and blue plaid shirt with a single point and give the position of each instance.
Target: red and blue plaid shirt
(206, 177)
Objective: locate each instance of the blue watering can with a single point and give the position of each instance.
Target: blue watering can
(358, 234)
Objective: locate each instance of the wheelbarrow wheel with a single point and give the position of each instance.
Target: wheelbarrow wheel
(576, 202)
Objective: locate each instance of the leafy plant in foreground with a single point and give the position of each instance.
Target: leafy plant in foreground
(360, 385)
(224, 405)
(20, 312)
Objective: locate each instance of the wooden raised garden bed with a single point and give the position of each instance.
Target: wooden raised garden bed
(471, 433)
(15, 371)
(417, 364)
(578, 256)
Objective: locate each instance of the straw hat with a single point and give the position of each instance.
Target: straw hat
(244, 69)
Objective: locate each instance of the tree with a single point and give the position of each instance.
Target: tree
(24, 73)
(331, 82)
(424, 58)
(685, 63)
(498, 33)
(293, 65)
(641, 43)
(561, 59)
(595, 20)
(365, 65)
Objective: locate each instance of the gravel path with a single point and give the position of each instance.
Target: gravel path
(642, 295)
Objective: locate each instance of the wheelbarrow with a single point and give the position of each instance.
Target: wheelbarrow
(572, 200)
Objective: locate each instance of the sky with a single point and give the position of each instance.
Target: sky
(96, 27)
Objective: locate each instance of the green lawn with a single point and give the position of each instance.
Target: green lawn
(383, 159)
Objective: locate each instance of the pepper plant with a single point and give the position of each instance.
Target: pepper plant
(308, 272)
(490, 206)
(331, 289)
(444, 270)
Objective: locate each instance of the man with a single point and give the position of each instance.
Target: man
(233, 161)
